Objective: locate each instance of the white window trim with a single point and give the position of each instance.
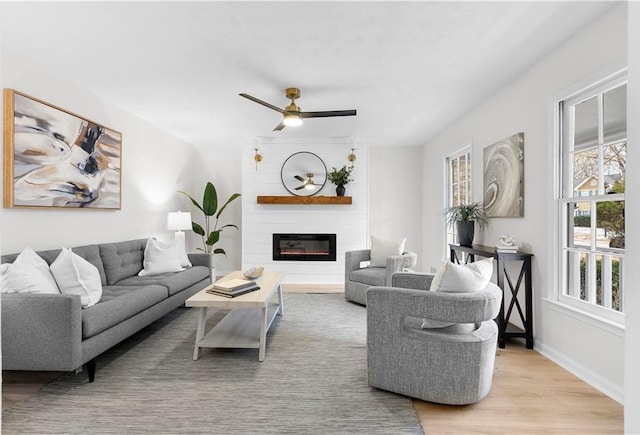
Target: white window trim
(554, 295)
(467, 148)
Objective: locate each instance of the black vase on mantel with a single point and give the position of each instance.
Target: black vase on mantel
(340, 190)
(466, 230)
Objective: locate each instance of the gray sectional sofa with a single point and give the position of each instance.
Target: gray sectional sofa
(51, 332)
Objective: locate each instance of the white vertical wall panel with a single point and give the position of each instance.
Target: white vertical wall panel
(260, 221)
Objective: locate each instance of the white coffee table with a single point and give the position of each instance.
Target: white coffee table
(251, 315)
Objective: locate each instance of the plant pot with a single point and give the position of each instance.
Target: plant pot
(466, 232)
(340, 190)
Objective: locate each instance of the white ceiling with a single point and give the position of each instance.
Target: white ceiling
(409, 68)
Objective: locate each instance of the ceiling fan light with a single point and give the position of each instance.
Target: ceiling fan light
(309, 186)
(292, 120)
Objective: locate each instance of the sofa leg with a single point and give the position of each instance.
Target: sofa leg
(91, 368)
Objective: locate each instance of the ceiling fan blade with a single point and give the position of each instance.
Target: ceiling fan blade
(299, 178)
(279, 126)
(300, 187)
(264, 103)
(328, 113)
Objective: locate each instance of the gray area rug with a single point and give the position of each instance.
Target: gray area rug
(312, 381)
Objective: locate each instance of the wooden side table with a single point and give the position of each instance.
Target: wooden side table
(505, 329)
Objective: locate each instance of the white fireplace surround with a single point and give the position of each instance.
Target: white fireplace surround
(260, 221)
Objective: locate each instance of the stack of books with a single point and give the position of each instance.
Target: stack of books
(233, 287)
(506, 249)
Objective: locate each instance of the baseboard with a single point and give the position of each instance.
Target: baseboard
(590, 377)
(305, 287)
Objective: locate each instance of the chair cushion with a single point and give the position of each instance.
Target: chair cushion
(381, 249)
(174, 281)
(119, 303)
(461, 278)
(370, 275)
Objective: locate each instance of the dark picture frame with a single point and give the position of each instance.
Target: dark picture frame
(54, 158)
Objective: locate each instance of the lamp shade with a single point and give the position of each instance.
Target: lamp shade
(292, 120)
(179, 221)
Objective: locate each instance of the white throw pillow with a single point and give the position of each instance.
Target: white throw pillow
(382, 249)
(23, 278)
(161, 257)
(28, 257)
(456, 278)
(76, 276)
(184, 259)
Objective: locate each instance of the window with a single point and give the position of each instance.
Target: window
(458, 188)
(591, 208)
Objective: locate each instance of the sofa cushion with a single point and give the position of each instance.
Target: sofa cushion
(24, 278)
(160, 257)
(91, 253)
(370, 275)
(119, 303)
(122, 259)
(28, 273)
(174, 281)
(76, 276)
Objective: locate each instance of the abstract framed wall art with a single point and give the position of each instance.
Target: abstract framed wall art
(54, 158)
(504, 177)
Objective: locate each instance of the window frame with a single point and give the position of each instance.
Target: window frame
(450, 232)
(563, 170)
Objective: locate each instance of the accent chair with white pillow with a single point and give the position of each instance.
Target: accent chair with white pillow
(433, 337)
(374, 267)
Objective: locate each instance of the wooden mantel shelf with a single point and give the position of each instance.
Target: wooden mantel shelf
(304, 200)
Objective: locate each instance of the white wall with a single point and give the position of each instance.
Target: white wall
(220, 163)
(260, 221)
(632, 277)
(591, 350)
(154, 164)
(395, 196)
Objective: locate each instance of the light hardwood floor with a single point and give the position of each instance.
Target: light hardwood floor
(530, 395)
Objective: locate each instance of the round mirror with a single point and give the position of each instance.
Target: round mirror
(303, 174)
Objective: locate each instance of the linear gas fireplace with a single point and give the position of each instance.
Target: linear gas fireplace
(304, 247)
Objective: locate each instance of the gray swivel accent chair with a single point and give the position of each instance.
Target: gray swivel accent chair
(450, 365)
(358, 279)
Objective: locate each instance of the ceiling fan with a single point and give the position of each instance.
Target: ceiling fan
(292, 114)
(306, 184)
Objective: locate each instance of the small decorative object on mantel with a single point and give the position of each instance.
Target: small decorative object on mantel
(340, 177)
(506, 244)
(465, 216)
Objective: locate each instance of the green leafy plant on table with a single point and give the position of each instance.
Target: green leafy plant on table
(472, 212)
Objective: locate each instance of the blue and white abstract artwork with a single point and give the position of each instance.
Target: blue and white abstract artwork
(58, 159)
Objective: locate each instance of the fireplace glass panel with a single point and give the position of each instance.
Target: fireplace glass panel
(304, 247)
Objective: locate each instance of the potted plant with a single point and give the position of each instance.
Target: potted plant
(340, 177)
(210, 233)
(465, 216)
